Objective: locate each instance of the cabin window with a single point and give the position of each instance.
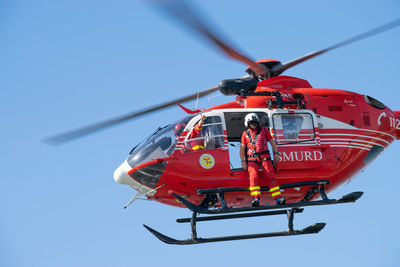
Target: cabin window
(373, 154)
(293, 128)
(210, 137)
(373, 102)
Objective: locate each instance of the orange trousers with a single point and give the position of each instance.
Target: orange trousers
(269, 173)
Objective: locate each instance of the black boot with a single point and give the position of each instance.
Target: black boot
(280, 201)
(255, 202)
(209, 201)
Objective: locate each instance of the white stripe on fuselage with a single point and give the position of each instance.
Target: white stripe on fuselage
(358, 135)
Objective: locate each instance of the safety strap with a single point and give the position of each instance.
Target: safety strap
(255, 154)
(259, 162)
(253, 142)
(261, 153)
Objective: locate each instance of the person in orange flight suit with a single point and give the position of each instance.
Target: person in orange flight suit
(256, 139)
(197, 144)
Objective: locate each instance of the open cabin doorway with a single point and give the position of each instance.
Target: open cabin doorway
(234, 127)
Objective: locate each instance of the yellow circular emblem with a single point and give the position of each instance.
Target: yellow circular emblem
(206, 161)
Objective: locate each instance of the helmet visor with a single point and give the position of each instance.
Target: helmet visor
(253, 122)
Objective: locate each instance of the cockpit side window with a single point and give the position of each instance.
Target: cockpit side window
(209, 137)
(293, 128)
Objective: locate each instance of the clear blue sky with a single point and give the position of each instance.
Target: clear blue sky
(68, 63)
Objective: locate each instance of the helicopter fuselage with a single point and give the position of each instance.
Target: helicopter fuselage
(322, 134)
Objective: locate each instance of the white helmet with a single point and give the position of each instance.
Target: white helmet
(250, 117)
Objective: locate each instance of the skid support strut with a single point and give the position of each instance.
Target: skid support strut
(193, 225)
(290, 215)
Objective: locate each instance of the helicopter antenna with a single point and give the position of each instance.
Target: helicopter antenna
(213, 96)
(197, 101)
(139, 194)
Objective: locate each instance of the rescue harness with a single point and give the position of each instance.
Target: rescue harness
(257, 157)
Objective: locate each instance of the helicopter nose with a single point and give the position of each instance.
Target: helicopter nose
(121, 176)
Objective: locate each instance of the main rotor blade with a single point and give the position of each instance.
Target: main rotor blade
(183, 12)
(67, 136)
(278, 69)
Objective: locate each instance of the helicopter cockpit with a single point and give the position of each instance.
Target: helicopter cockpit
(163, 142)
(158, 145)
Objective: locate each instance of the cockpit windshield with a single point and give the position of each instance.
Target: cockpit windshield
(160, 144)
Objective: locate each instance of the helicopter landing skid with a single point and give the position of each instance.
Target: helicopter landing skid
(312, 229)
(290, 209)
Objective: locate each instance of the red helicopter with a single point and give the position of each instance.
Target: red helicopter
(324, 136)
